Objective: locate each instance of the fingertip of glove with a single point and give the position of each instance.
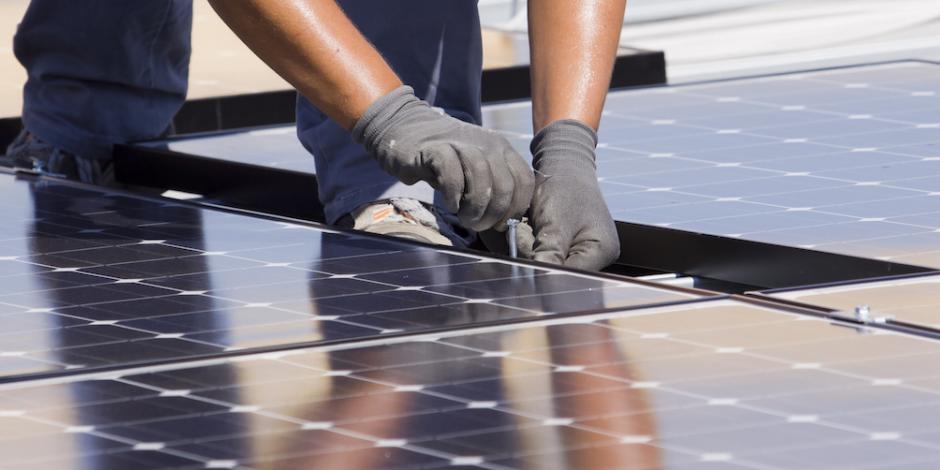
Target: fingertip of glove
(550, 257)
(593, 260)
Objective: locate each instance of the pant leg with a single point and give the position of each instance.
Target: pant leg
(103, 72)
(435, 47)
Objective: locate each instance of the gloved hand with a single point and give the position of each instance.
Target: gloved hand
(482, 178)
(570, 220)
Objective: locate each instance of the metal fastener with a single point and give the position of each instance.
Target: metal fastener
(863, 313)
(511, 236)
(884, 319)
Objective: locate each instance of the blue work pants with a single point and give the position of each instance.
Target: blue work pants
(107, 72)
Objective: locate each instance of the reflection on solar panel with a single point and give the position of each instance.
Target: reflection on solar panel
(714, 383)
(95, 279)
(844, 161)
(275, 147)
(915, 300)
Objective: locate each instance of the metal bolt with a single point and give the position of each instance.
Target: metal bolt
(38, 166)
(863, 313)
(511, 236)
(884, 319)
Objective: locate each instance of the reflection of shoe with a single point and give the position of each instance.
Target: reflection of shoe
(405, 218)
(28, 152)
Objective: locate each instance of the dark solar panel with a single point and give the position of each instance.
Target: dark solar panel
(718, 383)
(914, 300)
(92, 278)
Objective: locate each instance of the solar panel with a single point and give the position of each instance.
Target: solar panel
(912, 300)
(718, 383)
(94, 279)
(843, 161)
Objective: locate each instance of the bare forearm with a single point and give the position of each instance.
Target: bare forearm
(574, 45)
(317, 49)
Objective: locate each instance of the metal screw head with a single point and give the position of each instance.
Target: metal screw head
(511, 236)
(38, 166)
(863, 313)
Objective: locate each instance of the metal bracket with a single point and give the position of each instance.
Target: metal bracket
(864, 315)
(513, 225)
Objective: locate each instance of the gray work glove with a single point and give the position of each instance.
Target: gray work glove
(481, 177)
(570, 220)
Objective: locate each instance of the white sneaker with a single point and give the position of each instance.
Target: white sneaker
(405, 218)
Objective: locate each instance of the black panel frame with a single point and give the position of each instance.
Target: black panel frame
(263, 189)
(760, 264)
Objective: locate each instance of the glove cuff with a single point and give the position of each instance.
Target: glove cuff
(568, 138)
(381, 115)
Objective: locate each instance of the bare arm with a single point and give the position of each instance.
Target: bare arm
(317, 49)
(574, 45)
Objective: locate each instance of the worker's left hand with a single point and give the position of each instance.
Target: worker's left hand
(569, 218)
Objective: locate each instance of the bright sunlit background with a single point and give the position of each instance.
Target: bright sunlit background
(703, 39)
(720, 38)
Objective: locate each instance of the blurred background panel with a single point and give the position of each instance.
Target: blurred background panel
(705, 39)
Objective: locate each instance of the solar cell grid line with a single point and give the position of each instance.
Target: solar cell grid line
(719, 381)
(906, 300)
(95, 279)
(843, 160)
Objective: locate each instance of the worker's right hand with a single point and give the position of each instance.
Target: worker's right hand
(481, 177)
(571, 224)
